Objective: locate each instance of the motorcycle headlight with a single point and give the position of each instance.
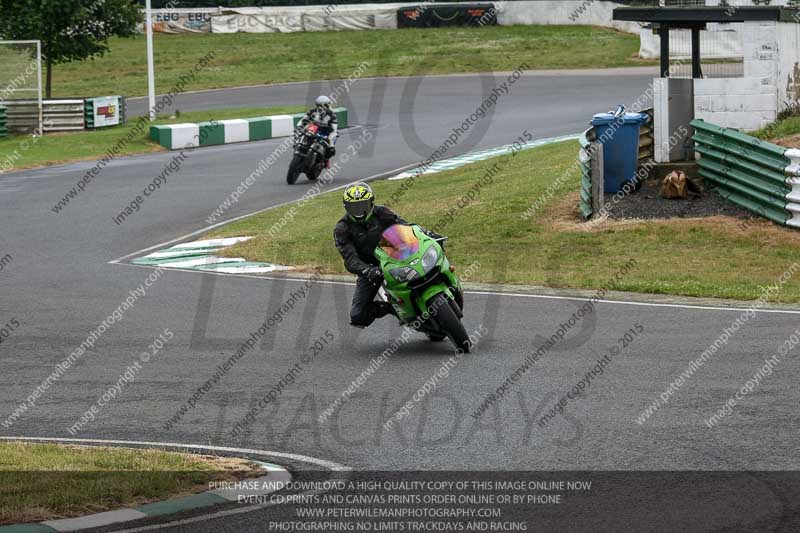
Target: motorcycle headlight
(430, 259)
(404, 273)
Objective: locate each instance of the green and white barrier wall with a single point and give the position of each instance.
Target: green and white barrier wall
(759, 176)
(216, 132)
(3, 123)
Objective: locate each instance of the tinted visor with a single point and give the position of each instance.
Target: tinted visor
(359, 209)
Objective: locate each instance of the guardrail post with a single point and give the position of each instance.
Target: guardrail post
(793, 170)
(88, 113)
(585, 162)
(598, 179)
(3, 127)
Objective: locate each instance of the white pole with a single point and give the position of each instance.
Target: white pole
(151, 79)
(41, 110)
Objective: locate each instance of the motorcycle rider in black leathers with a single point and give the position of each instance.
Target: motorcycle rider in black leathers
(356, 235)
(323, 116)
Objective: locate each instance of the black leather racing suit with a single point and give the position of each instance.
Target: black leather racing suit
(328, 126)
(356, 241)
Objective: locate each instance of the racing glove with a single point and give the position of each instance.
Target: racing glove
(432, 234)
(373, 274)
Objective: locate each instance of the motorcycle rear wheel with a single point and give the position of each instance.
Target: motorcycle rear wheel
(295, 167)
(449, 322)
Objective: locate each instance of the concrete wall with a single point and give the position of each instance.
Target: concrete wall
(771, 81)
(719, 41)
(376, 16)
(788, 66)
(743, 103)
(566, 12)
(673, 111)
(760, 50)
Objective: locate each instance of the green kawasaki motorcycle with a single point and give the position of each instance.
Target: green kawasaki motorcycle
(421, 285)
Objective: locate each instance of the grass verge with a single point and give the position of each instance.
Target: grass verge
(248, 59)
(712, 257)
(785, 131)
(46, 481)
(22, 151)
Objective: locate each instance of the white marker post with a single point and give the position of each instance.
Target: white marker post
(151, 79)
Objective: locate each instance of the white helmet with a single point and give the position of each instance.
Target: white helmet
(323, 101)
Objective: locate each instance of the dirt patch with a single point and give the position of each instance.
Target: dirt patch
(565, 215)
(793, 141)
(647, 203)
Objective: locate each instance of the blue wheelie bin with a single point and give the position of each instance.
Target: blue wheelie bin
(618, 131)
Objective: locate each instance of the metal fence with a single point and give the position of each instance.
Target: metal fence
(759, 176)
(58, 115)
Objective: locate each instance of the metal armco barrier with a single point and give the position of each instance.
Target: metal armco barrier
(59, 115)
(759, 176)
(3, 127)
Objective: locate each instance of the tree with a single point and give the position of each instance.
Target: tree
(70, 30)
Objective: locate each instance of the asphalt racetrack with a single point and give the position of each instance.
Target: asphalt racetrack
(60, 285)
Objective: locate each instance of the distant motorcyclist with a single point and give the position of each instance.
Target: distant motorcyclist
(356, 235)
(323, 116)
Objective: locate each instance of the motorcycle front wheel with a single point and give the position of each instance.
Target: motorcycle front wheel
(449, 322)
(295, 167)
(312, 175)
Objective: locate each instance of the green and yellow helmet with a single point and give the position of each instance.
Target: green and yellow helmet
(359, 200)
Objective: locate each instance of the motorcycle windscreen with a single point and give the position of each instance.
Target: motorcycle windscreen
(399, 242)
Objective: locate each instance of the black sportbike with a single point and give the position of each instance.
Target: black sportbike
(310, 149)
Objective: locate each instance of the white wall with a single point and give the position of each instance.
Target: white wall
(381, 16)
(771, 82)
(742, 103)
(721, 40)
(751, 102)
(673, 111)
(566, 12)
(760, 50)
(788, 75)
